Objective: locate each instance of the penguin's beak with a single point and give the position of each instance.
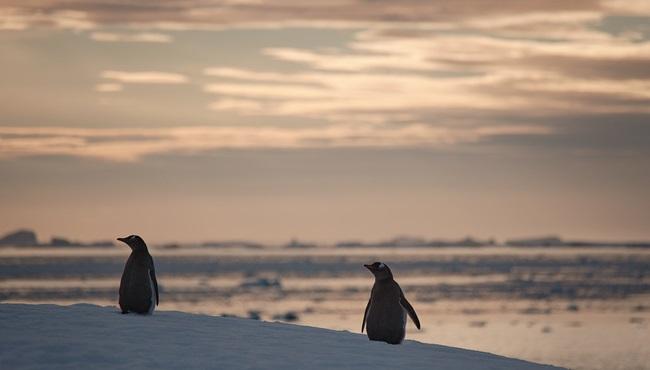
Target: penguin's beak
(123, 240)
(369, 267)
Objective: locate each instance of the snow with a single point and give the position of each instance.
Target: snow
(89, 336)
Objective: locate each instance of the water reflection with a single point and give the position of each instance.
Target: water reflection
(582, 308)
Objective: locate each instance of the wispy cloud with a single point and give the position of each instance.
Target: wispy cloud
(17, 17)
(531, 64)
(245, 74)
(337, 96)
(432, 51)
(131, 37)
(627, 7)
(413, 73)
(72, 19)
(108, 87)
(239, 105)
(11, 19)
(132, 144)
(145, 77)
(439, 14)
(353, 62)
(190, 14)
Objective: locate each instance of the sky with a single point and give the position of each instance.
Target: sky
(325, 120)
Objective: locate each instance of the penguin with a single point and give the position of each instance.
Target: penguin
(387, 308)
(139, 287)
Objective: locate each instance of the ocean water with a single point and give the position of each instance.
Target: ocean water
(582, 308)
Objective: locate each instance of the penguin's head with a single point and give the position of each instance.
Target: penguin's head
(380, 270)
(134, 242)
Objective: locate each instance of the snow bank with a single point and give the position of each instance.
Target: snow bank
(89, 336)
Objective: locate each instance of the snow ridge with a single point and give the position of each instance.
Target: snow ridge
(90, 336)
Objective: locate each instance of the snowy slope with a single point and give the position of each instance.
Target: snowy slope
(88, 336)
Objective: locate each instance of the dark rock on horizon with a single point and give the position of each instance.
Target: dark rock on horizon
(61, 242)
(101, 243)
(21, 238)
(296, 244)
(415, 242)
(232, 244)
(547, 241)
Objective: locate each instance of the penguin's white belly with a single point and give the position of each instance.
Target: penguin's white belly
(153, 293)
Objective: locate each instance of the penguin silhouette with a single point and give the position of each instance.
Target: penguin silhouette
(387, 308)
(139, 287)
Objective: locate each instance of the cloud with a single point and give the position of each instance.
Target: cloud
(555, 18)
(627, 7)
(353, 62)
(11, 19)
(108, 87)
(245, 74)
(19, 18)
(136, 37)
(272, 91)
(239, 105)
(632, 89)
(340, 97)
(145, 77)
(412, 73)
(515, 17)
(72, 19)
(534, 64)
(319, 13)
(125, 145)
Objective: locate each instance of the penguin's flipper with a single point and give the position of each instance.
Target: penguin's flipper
(152, 274)
(365, 313)
(411, 311)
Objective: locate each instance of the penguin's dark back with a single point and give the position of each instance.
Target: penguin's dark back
(385, 290)
(386, 319)
(135, 288)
